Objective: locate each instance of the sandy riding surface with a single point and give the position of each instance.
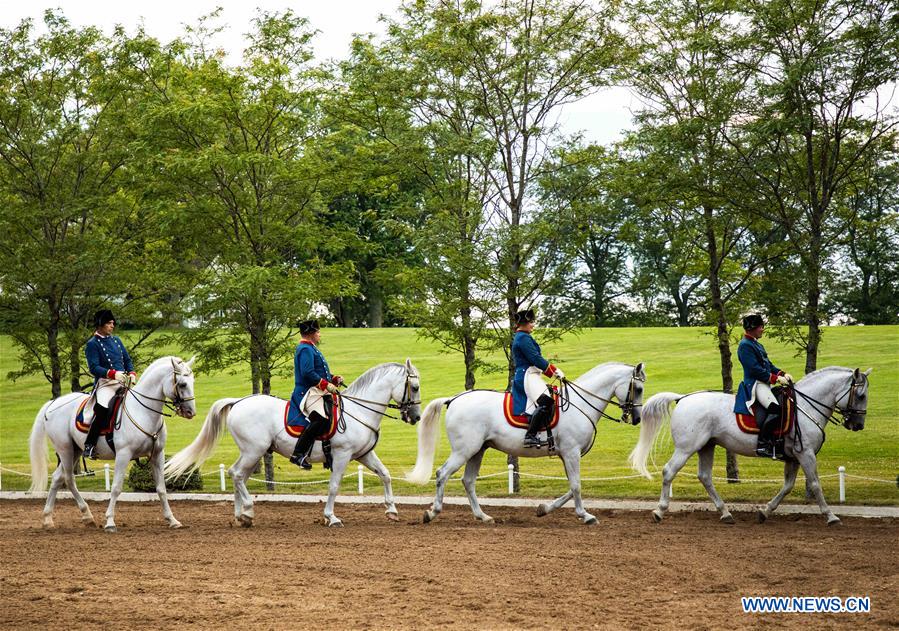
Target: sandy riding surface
(290, 572)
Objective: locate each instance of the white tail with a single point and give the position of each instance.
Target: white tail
(656, 412)
(196, 453)
(37, 447)
(428, 432)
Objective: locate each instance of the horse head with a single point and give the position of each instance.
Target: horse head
(180, 389)
(853, 403)
(629, 392)
(407, 394)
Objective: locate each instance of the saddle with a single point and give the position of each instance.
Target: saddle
(521, 420)
(748, 423)
(298, 426)
(83, 425)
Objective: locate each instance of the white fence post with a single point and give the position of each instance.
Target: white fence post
(361, 483)
(106, 474)
(842, 471)
(511, 479)
(1, 476)
(222, 476)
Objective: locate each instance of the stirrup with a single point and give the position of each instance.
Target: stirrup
(533, 441)
(301, 461)
(90, 451)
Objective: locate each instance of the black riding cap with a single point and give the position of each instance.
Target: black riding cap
(102, 317)
(308, 326)
(523, 317)
(752, 321)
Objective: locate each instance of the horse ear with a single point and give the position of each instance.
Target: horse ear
(868, 372)
(856, 373)
(190, 361)
(639, 369)
(408, 363)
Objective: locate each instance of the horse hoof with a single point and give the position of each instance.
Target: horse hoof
(761, 516)
(428, 517)
(89, 523)
(335, 524)
(110, 529)
(176, 524)
(392, 516)
(487, 519)
(48, 524)
(657, 517)
(542, 510)
(835, 521)
(245, 521)
(727, 519)
(590, 521)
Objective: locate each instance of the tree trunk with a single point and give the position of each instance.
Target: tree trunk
(53, 348)
(375, 318)
(75, 366)
(727, 380)
(813, 301)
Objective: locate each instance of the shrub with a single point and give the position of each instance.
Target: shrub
(140, 478)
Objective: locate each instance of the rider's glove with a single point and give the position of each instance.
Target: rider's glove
(559, 374)
(784, 380)
(132, 379)
(331, 388)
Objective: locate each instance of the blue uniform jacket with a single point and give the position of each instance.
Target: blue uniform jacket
(525, 353)
(309, 369)
(105, 354)
(756, 367)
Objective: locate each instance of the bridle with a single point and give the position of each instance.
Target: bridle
(405, 404)
(847, 413)
(627, 407)
(177, 401)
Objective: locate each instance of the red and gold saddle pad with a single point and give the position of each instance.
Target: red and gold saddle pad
(83, 428)
(296, 430)
(747, 424)
(521, 421)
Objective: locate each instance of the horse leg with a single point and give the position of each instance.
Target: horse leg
(87, 518)
(374, 463)
(56, 481)
(243, 501)
(122, 458)
(452, 464)
(810, 467)
(341, 460)
(546, 509)
(706, 460)
(791, 468)
(468, 481)
(572, 462)
(678, 460)
(159, 478)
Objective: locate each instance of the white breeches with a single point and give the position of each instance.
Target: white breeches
(314, 401)
(534, 387)
(761, 393)
(105, 390)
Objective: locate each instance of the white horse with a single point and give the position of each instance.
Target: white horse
(705, 419)
(257, 425)
(475, 421)
(141, 432)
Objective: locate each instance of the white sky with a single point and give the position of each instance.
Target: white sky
(601, 117)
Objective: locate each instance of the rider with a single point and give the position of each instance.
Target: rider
(530, 394)
(759, 374)
(110, 364)
(312, 392)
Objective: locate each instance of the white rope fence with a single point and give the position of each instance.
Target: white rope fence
(510, 474)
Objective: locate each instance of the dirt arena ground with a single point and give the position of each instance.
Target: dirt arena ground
(524, 572)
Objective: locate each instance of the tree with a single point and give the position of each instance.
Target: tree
(817, 70)
(73, 233)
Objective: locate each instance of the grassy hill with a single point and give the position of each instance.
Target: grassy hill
(680, 360)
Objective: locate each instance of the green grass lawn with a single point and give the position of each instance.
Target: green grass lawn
(679, 360)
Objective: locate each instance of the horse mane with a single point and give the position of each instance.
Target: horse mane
(163, 359)
(368, 377)
(829, 369)
(602, 367)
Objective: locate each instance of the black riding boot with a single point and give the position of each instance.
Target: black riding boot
(317, 425)
(539, 421)
(101, 418)
(765, 447)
